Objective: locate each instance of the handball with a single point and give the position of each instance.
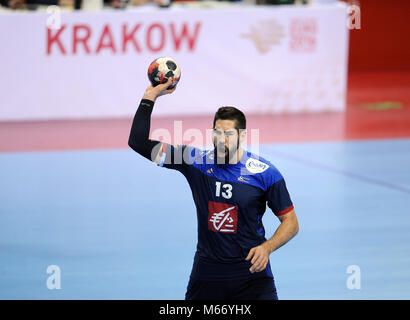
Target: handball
(163, 68)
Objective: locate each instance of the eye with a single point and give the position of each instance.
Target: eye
(229, 133)
(217, 132)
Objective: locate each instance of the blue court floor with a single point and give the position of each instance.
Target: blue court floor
(119, 227)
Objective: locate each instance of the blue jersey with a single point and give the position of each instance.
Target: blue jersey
(230, 201)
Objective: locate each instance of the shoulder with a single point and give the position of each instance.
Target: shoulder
(179, 154)
(262, 169)
(195, 155)
(187, 150)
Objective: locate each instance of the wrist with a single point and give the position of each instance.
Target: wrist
(147, 102)
(150, 97)
(269, 246)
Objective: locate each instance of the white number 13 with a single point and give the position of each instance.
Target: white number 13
(226, 193)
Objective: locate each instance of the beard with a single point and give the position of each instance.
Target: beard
(224, 155)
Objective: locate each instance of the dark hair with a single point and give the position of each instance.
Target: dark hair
(231, 113)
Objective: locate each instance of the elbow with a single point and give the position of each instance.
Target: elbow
(130, 144)
(134, 146)
(295, 223)
(291, 222)
(296, 227)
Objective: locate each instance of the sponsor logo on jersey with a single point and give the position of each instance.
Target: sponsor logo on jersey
(210, 170)
(256, 166)
(243, 179)
(222, 217)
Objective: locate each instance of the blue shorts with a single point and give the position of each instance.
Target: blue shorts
(260, 288)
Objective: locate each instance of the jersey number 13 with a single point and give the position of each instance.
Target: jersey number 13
(226, 190)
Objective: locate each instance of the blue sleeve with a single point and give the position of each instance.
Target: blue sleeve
(178, 157)
(278, 198)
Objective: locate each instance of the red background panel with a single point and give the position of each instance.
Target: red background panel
(383, 42)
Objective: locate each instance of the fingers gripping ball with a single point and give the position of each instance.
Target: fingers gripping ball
(163, 68)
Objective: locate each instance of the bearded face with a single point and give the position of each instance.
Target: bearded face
(226, 142)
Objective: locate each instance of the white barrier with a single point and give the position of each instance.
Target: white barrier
(260, 59)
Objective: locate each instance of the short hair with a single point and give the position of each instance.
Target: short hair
(231, 113)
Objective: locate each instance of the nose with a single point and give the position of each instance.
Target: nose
(226, 140)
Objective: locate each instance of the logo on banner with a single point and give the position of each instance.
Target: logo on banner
(265, 34)
(222, 217)
(303, 35)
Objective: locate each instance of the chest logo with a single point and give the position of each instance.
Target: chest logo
(222, 217)
(256, 166)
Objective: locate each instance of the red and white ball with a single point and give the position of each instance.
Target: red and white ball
(163, 68)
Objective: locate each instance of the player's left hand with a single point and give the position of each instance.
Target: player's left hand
(260, 258)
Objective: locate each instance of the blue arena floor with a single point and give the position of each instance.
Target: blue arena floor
(119, 227)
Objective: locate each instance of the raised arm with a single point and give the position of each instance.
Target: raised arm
(139, 136)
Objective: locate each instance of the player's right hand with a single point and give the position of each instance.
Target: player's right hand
(152, 93)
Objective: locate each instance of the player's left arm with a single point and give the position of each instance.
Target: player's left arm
(287, 229)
